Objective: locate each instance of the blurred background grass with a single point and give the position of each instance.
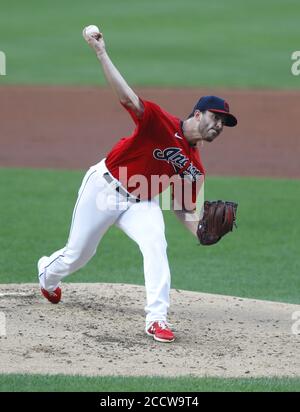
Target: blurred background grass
(169, 43)
(260, 260)
(62, 383)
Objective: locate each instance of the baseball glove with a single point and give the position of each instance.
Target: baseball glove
(218, 219)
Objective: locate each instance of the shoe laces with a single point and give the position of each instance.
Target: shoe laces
(164, 324)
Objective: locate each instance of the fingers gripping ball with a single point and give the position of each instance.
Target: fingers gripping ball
(91, 30)
(218, 219)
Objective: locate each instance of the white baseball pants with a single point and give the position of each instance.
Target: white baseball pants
(98, 207)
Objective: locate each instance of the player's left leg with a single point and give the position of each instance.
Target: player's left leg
(143, 222)
(97, 208)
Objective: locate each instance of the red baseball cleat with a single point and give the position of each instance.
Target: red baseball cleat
(53, 297)
(160, 331)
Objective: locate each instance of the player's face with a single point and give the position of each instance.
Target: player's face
(211, 125)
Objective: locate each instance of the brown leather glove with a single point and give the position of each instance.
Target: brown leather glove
(218, 219)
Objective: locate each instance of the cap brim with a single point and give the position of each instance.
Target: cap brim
(231, 120)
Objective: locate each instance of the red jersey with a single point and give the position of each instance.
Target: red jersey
(156, 151)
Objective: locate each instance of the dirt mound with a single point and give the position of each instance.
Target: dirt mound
(98, 330)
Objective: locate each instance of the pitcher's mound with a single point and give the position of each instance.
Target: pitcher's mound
(98, 329)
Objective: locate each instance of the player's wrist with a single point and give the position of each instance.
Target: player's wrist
(100, 52)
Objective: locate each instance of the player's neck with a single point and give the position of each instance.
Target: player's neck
(190, 132)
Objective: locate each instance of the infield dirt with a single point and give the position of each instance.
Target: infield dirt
(64, 127)
(97, 329)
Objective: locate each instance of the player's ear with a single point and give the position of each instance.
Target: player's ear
(197, 114)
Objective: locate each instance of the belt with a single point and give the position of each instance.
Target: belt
(119, 188)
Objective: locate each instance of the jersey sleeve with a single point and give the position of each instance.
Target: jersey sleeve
(151, 111)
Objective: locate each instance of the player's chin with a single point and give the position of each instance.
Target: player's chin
(211, 135)
(210, 138)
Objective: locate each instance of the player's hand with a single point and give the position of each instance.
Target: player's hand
(95, 40)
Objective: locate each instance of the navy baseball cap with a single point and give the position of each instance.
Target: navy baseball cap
(217, 105)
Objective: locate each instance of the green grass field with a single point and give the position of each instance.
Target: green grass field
(259, 260)
(169, 43)
(60, 383)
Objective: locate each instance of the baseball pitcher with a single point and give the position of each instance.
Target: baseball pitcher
(122, 190)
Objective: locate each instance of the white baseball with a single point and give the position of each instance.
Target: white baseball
(92, 29)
